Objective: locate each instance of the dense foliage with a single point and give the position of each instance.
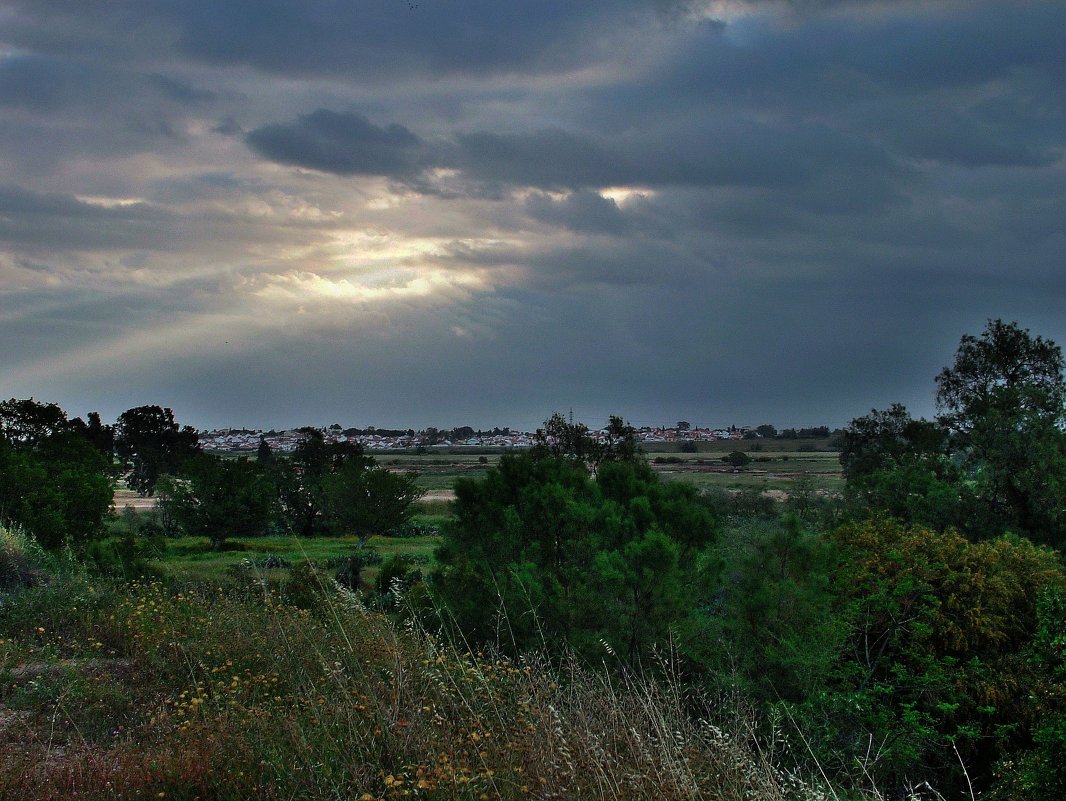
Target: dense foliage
(995, 459)
(222, 498)
(153, 444)
(333, 488)
(543, 551)
(54, 481)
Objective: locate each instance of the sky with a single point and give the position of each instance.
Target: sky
(267, 213)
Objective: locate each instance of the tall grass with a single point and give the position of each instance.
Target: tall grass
(158, 690)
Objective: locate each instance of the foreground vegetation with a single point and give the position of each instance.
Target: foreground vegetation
(233, 691)
(571, 626)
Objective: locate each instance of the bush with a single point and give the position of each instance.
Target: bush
(17, 567)
(348, 571)
(307, 586)
(127, 556)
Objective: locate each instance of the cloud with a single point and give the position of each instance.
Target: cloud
(377, 41)
(343, 143)
(789, 214)
(49, 83)
(579, 211)
(723, 153)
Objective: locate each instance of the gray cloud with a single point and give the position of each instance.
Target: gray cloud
(341, 143)
(579, 211)
(827, 197)
(318, 37)
(46, 83)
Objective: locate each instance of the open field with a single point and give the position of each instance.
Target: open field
(127, 497)
(193, 557)
(777, 466)
(781, 471)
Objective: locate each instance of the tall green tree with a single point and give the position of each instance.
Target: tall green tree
(303, 478)
(53, 481)
(544, 553)
(363, 499)
(221, 498)
(889, 439)
(336, 488)
(768, 624)
(1004, 374)
(149, 440)
(1004, 399)
(897, 464)
(559, 438)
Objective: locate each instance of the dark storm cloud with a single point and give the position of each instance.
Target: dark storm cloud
(725, 153)
(340, 143)
(975, 83)
(374, 40)
(784, 216)
(692, 152)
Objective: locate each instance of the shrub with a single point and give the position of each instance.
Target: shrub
(348, 571)
(17, 565)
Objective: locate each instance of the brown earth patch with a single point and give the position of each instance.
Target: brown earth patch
(127, 497)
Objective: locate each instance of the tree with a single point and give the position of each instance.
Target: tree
(58, 490)
(937, 654)
(771, 627)
(24, 423)
(619, 442)
(887, 439)
(102, 437)
(220, 498)
(302, 479)
(550, 554)
(1004, 399)
(737, 459)
(561, 439)
(263, 454)
(148, 438)
(362, 499)
(1000, 376)
(335, 488)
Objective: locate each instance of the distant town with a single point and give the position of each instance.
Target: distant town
(370, 438)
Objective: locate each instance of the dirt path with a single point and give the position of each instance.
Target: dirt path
(439, 495)
(126, 497)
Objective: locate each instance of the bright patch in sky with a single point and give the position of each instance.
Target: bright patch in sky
(729, 211)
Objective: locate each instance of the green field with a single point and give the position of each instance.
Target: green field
(782, 471)
(778, 465)
(193, 557)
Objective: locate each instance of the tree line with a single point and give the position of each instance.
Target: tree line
(57, 479)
